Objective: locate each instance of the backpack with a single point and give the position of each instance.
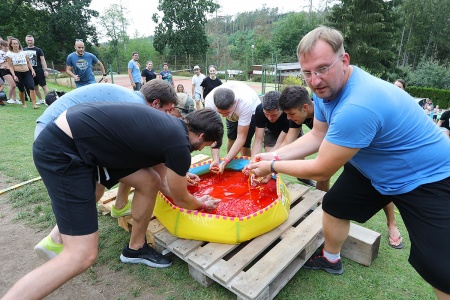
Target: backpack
(52, 97)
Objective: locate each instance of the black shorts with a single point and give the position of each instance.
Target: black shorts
(4, 72)
(69, 181)
(425, 212)
(39, 79)
(232, 128)
(25, 80)
(270, 139)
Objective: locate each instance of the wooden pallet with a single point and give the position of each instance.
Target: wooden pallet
(260, 268)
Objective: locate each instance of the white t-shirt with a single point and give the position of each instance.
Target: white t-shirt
(19, 58)
(246, 102)
(2, 56)
(196, 81)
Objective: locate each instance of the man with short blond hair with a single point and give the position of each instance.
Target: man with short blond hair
(385, 159)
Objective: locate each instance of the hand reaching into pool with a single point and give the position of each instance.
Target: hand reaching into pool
(260, 169)
(192, 179)
(209, 203)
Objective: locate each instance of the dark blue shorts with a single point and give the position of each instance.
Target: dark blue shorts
(69, 181)
(232, 128)
(425, 212)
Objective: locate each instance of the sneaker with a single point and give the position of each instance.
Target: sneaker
(47, 248)
(125, 211)
(307, 182)
(17, 102)
(145, 255)
(319, 262)
(41, 102)
(11, 101)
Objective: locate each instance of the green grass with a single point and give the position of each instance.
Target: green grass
(390, 276)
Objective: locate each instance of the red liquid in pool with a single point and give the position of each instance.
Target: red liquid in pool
(238, 198)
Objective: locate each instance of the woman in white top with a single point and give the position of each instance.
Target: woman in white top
(21, 70)
(6, 74)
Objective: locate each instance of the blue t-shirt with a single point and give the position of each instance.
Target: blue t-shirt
(83, 66)
(400, 146)
(167, 76)
(86, 94)
(135, 72)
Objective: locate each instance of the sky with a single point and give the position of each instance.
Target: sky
(141, 11)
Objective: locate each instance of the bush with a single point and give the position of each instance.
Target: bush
(438, 96)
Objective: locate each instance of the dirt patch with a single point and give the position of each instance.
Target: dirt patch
(17, 259)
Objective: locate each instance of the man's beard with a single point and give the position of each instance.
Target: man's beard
(195, 146)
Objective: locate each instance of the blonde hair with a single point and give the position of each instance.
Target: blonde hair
(329, 35)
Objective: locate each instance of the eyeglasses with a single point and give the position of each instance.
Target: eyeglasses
(78, 40)
(320, 72)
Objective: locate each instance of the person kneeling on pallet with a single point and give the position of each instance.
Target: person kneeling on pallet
(352, 129)
(112, 141)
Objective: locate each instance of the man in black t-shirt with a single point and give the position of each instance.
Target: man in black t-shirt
(112, 141)
(37, 60)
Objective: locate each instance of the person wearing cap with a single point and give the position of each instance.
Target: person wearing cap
(197, 80)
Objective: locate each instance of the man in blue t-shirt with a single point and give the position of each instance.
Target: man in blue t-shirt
(385, 159)
(134, 72)
(80, 66)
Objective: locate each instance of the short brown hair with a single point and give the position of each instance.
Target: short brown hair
(159, 89)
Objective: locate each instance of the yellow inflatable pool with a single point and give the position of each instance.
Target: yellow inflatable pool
(198, 225)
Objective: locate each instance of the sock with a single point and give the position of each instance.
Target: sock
(332, 257)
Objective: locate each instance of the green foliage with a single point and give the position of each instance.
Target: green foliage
(429, 73)
(292, 80)
(425, 28)
(288, 31)
(182, 27)
(54, 24)
(115, 24)
(439, 96)
(368, 27)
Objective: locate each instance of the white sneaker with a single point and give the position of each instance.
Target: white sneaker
(11, 101)
(17, 102)
(41, 102)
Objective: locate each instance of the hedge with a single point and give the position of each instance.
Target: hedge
(438, 96)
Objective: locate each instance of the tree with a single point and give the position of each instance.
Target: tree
(289, 30)
(115, 25)
(429, 73)
(425, 31)
(369, 28)
(67, 21)
(182, 28)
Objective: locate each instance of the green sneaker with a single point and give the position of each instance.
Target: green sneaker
(47, 248)
(125, 211)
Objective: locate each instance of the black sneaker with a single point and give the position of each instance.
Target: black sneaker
(145, 255)
(307, 182)
(319, 262)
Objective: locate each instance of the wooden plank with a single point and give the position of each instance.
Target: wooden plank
(205, 256)
(361, 245)
(199, 158)
(263, 272)
(183, 248)
(225, 270)
(296, 191)
(125, 222)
